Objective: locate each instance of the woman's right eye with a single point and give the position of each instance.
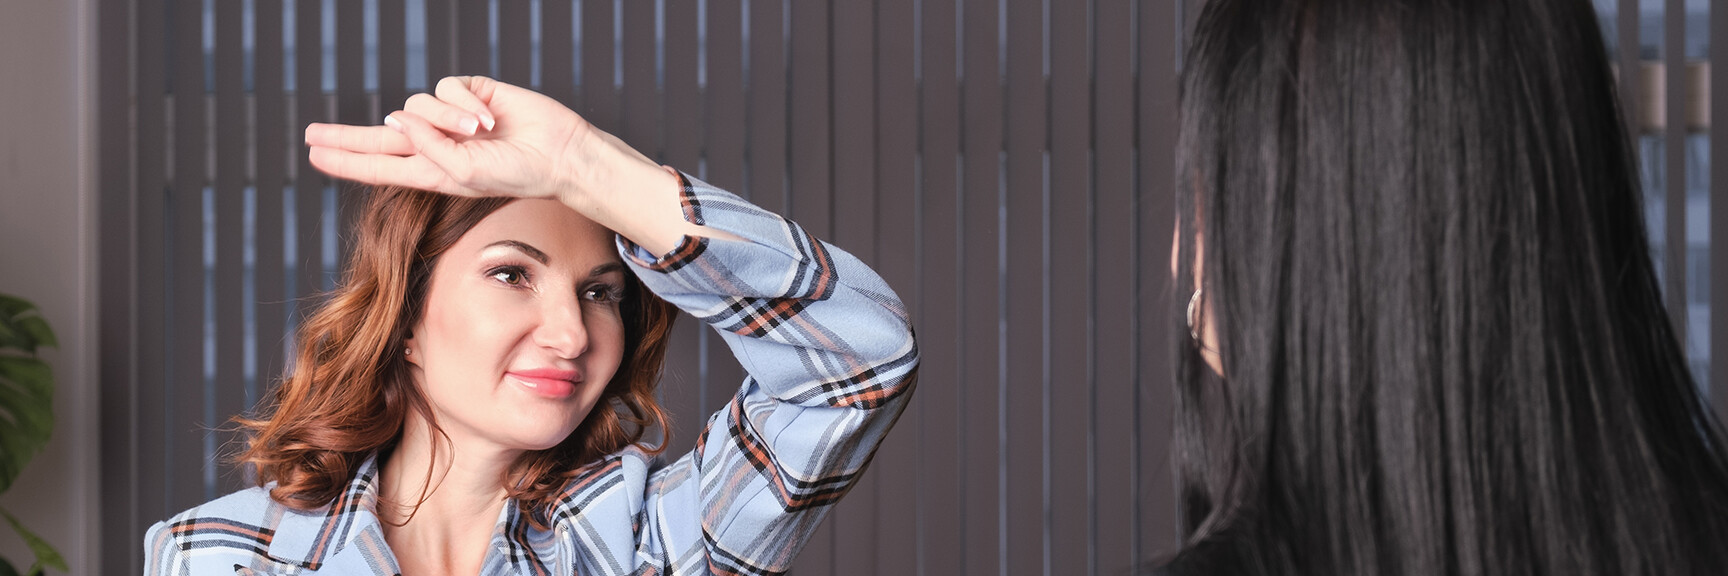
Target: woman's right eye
(510, 275)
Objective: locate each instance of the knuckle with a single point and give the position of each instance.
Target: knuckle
(463, 174)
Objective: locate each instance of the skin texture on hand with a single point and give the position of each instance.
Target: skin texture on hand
(482, 137)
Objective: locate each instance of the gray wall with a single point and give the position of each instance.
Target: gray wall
(47, 255)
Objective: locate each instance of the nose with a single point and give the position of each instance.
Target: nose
(561, 329)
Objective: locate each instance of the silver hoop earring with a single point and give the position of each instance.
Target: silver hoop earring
(1194, 317)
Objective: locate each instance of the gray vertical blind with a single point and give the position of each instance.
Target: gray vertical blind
(1005, 164)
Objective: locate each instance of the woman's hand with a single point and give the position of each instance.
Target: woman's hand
(482, 137)
(476, 137)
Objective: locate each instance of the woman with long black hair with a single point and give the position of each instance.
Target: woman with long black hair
(1425, 336)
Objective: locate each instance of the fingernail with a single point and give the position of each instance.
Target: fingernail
(487, 119)
(393, 123)
(469, 125)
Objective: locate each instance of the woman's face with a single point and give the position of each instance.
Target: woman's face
(521, 329)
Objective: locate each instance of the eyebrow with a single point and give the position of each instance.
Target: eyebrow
(607, 268)
(524, 248)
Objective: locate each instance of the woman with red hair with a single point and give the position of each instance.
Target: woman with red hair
(472, 398)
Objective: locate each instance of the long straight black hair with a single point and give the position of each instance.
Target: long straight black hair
(1444, 349)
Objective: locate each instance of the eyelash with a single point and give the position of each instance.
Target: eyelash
(607, 294)
(520, 272)
(598, 293)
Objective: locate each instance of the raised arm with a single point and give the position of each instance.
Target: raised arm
(830, 359)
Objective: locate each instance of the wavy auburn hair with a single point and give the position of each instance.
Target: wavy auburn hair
(349, 392)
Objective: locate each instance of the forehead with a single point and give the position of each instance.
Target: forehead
(553, 228)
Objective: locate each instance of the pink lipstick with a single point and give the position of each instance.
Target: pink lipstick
(548, 382)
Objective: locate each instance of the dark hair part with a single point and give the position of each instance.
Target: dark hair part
(1444, 348)
(349, 393)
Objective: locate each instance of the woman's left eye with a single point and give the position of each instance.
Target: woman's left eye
(602, 294)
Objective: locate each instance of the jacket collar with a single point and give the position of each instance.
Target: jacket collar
(308, 538)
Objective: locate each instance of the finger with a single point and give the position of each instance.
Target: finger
(446, 155)
(380, 169)
(362, 139)
(444, 115)
(465, 92)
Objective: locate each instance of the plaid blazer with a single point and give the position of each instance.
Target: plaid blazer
(831, 361)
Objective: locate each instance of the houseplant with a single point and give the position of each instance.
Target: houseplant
(26, 412)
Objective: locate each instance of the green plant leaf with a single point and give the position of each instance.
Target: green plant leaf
(38, 331)
(46, 556)
(13, 305)
(6, 568)
(26, 413)
(11, 338)
(22, 327)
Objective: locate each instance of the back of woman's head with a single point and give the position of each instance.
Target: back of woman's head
(1444, 349)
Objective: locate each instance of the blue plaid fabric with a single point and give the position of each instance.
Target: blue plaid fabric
(831, 361)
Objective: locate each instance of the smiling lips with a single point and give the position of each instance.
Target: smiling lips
(548, 382)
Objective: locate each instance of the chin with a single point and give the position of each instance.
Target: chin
(541, 440)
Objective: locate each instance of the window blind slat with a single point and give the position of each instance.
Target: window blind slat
(981, 146)
(1029, 126)
(392, 58)
(852, 202)
(232, 133)
(812, 148)
(1674, 162)
(558, 52)
(308, 182)
(682, 127)
(187, 409)
(274, 134)
(440, 42)
(895, 244)
(1112, 414)
(473, 48)
(642, 96)
(353, 106)
(599, 95)
(1068, 274)
(942, 493)
(768, 111)
(810, 174)
(725, 138)
(118, 373)
(723, 94)
(152, 150)
(515, 42)
(1155, 103)
(684, 121)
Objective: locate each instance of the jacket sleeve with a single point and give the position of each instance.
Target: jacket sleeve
(830, 358)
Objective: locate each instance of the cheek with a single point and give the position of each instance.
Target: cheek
(605, 341)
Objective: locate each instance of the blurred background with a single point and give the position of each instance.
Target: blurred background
(1006, 165)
